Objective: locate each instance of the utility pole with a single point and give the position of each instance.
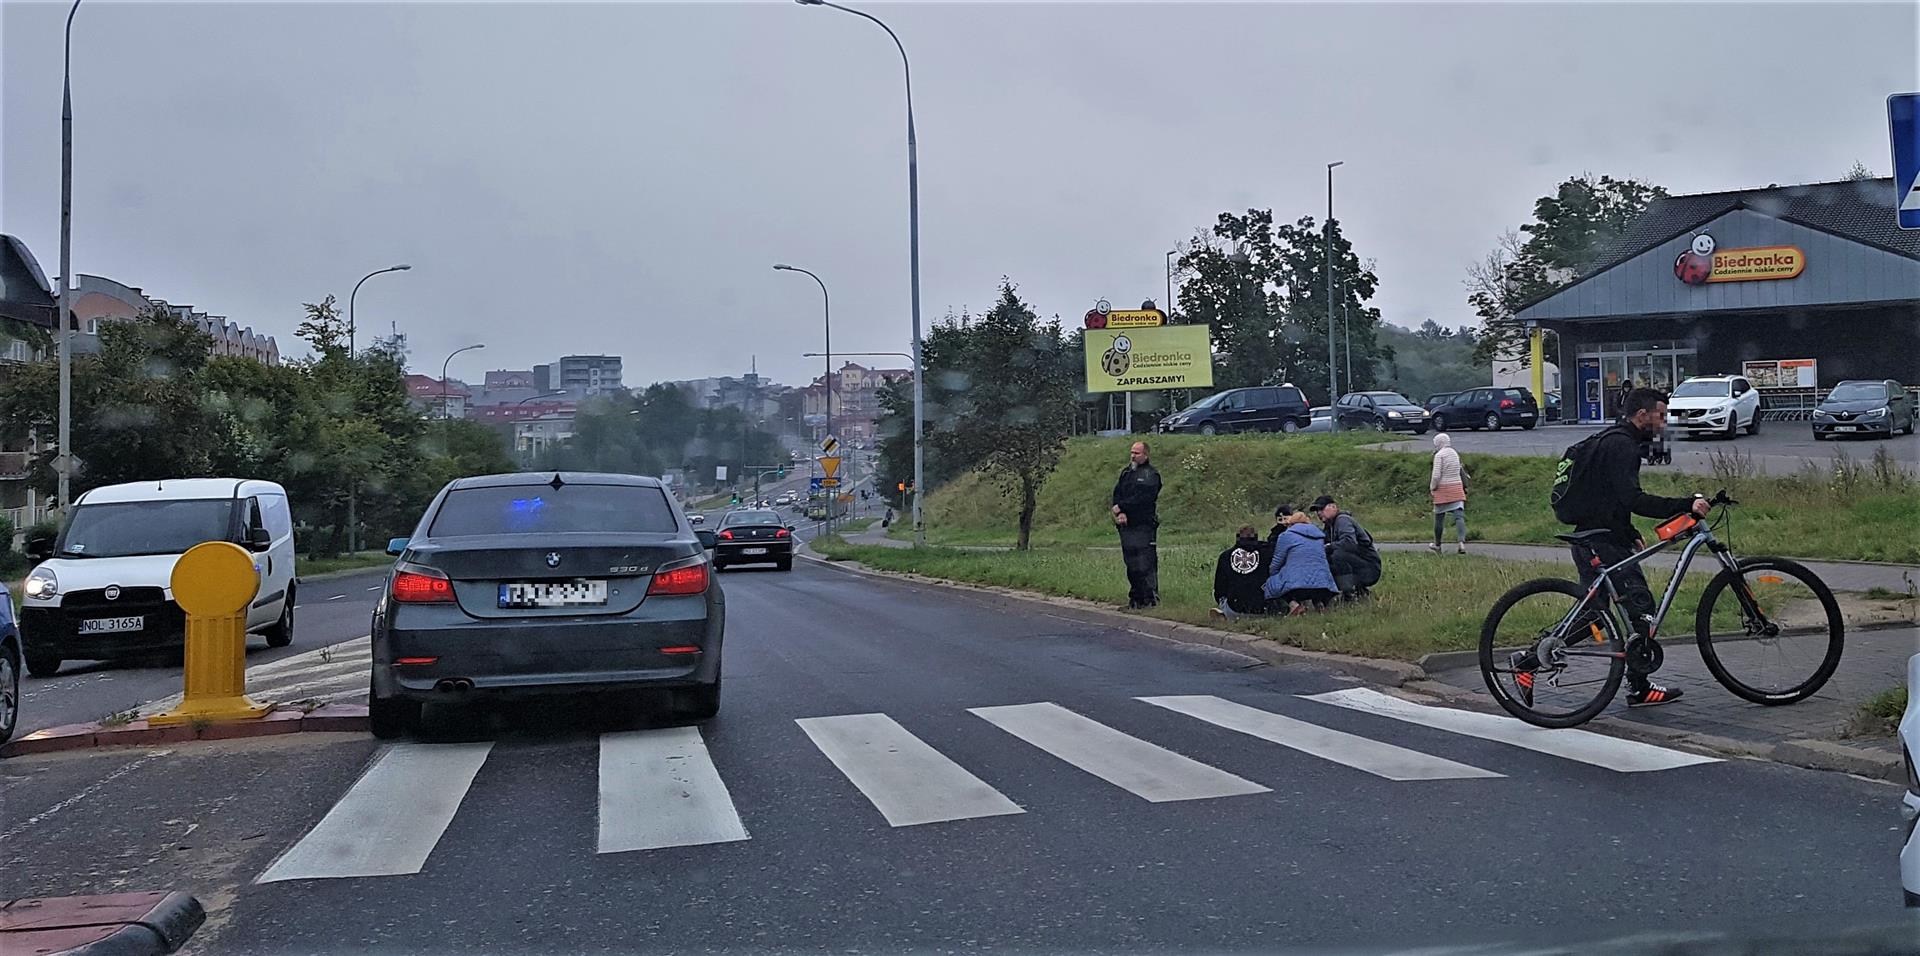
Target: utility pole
(64, 463)
(1333, 371)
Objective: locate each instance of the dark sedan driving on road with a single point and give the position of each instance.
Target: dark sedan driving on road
(753, 536)
(546, 583)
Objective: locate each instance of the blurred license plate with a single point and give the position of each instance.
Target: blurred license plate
(1845, 428)
(553, 594)
(753, 551)
(109, 625)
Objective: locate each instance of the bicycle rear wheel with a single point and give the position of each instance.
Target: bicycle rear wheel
(1580, 669)
(1771, 634)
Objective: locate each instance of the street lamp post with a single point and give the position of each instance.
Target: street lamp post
(443, 375)
(1169, 303)
(351, 327)
(65, 461)
(1333, 373)
(826, 316)
(913, 246)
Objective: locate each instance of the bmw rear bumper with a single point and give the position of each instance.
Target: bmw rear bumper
(527, 657)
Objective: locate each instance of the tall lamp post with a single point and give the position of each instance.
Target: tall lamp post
(443, 375)
(913, 245)
(67, 285)
(1333, 373)
(351, 327)
(1169, 303)
(826, 317)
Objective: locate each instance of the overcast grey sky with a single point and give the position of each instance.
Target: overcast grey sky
(620, 177)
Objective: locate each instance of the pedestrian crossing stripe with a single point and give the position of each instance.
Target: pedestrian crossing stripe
(661, 788)
(1600, 750)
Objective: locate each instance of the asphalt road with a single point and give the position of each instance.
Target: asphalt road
(900, 767)
(330, 610)
(1780, 448)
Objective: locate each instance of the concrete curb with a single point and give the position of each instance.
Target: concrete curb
(1390, 673)
(119, 924)
(331, 718)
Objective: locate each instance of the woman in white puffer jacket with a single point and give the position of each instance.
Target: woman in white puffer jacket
(1448, 485)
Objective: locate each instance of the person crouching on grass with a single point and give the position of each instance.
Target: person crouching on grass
(1299, 575)
(1239, 576)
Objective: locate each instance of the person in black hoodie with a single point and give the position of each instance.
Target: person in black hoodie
(1239, 575)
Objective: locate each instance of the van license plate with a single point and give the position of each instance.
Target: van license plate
(524, 594)
(112, 625)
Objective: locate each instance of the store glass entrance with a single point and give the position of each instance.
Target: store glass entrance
(1609, 369)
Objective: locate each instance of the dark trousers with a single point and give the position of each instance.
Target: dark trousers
(1142, 558)
(1636, 598)
(1352, 572)
(1317, 597)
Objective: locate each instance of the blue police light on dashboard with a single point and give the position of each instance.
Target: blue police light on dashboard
(524, 513)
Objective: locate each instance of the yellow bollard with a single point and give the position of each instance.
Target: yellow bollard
(214, 583)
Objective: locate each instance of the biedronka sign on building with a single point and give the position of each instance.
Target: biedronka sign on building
(1148, 359)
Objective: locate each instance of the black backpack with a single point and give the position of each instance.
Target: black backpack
(1570, 496)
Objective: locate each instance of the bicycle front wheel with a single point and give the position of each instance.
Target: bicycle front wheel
(1772, 633)
(1541, 673)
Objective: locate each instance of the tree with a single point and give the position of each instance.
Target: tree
(137, 411)
(1571, 230)
(1262, 291)
(1859, 172)
(1006, 385)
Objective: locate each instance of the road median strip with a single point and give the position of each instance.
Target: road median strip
(329, 718)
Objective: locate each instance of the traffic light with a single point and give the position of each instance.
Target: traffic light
(782, 473)
(902, 486)
(736, 499)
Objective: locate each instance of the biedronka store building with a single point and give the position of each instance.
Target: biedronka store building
(1797, 287)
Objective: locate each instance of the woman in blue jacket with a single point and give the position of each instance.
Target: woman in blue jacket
(1298, 574)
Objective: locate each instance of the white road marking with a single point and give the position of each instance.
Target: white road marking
(1146, 770)
(336, 597)
(659, 788)
(79, 797)
(1360, 753)
(1613, 753)
(316, 656)
(391, 818)
(376, 587)
(908, 781)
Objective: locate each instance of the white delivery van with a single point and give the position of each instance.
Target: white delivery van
(104, 591)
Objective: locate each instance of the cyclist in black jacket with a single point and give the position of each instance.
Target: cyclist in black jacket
(1606, 494)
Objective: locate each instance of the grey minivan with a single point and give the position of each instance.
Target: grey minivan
(548, 583)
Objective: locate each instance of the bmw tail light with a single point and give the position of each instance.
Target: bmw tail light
(691, 579)
(422, 586)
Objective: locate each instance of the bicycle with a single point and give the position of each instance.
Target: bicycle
(1775, 621)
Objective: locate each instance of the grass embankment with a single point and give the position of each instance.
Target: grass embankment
(308, 567)
(1426, 603)
(1214, 484)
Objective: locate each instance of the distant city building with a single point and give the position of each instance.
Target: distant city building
(521, 411)
(533, 436)
(855, 396)
(98, 299)
(436, 398)
(588, 374)
(502, 379)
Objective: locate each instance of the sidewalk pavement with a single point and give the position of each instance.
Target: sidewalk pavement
(876, 535)
(1873, 661)
(1839, 575)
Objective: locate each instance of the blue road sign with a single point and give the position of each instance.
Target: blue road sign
(1903, 125)
(813, 484)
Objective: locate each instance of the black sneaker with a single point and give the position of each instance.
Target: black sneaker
(1524, 663)
(1653, 695)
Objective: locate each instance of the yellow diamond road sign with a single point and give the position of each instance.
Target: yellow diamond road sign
(831, 466)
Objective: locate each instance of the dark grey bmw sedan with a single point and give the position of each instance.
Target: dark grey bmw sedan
(535, 584)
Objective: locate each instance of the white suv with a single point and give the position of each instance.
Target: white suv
(1714, 405)
(1910, 802)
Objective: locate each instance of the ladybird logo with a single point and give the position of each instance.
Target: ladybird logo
(1703, 263)
(1695, 266)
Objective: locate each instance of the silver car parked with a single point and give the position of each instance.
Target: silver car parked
(532, 584)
